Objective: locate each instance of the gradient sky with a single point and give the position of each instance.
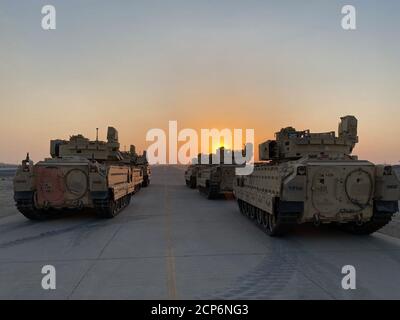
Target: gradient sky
(223, 63)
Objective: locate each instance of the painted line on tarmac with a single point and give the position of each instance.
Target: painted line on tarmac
(170, 257)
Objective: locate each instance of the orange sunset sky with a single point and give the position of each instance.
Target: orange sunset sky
(207, 64)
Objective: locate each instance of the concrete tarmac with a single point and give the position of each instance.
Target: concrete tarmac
(172, 243)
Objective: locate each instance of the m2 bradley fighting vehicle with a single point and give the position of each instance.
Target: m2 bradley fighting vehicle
(312, 177)
(139, 161)
(192, 171)
(191, 175)
(80, 174)
(216, 179)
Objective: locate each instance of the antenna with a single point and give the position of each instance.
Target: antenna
(97, 134)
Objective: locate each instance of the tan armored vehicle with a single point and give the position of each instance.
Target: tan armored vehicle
(192, 171)
(216, 179)
(191, 176)
(312, 177)
(139, 161)
(80, 174)
(143, 164)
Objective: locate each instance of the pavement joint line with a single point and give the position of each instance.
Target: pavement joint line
(295, 267)
(141, 257)
(93, 263)
(182, 256)
(299, 270)
(48, 233)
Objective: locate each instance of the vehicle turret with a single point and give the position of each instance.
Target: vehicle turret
(80, 146)
(290, 144)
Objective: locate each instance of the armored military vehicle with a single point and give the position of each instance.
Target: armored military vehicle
(191, 176)
(80, 174)
(143, 164)
(312, 177)
(192, 171)
(139, 161)
(216, 179)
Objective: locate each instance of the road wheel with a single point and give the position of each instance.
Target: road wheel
(246, 209)
(107, 210)
(274, 228)
(252, 212)
(265, 220)
(113, 208)
(241, 207)
(259, 217)
(145, 182)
